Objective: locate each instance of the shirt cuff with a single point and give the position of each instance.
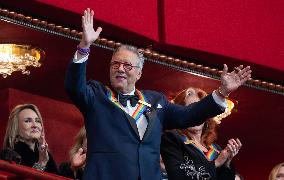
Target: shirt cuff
(83, 59)
(220, 101)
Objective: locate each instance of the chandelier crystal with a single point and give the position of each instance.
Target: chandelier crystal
(16, 57)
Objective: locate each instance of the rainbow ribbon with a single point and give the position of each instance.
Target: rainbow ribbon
(212, 152)
(142, 104)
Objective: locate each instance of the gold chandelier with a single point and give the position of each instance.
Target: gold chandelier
(17, 57)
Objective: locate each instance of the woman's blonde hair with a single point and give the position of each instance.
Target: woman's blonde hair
(79, 140)
(275, 170)
(209, 134)
(12, 130)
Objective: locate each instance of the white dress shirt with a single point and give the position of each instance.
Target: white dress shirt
(142, 122)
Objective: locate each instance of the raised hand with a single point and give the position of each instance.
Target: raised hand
(42, 149)
(231, 81)
(89, 34)
(78, 160)
(234, 146)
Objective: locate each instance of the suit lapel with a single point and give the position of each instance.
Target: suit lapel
(111, 99)
(132, 123)
(151, 116)
(130, 119)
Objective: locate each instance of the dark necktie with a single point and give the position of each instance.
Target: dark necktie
(124, 98)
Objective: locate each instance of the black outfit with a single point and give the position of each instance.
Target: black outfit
(187, 162)
(164, 175)
(66, 171)
(27, 157)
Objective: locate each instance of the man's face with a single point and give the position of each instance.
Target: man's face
(121, 78)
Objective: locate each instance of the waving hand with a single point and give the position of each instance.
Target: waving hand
(230, 81)
(89, 34)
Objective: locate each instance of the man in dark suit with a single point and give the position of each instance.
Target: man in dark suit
(123, 124)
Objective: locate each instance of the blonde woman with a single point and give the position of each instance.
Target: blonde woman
(25, 139)
(74, 168)
(277, 173)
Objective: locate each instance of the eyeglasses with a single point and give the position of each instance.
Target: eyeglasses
(126, 66)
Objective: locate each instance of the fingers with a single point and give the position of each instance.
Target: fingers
(238, 69)
(239, 142)
(234, 146)
(84, 149)
(246, 74)
(78, 159)
(243, 73)
(43, 149)
(41, 139)
(244, 70)
(43, 146)
(88, 16)
(85, 17)
(225, 69)
(80, 151)
(231, 149)
(92, 17)
(84, 156)
(42, 132)
(99, 30)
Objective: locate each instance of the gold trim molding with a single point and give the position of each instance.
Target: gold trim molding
(151, 55)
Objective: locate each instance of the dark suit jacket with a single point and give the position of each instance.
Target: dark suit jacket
(115, 150)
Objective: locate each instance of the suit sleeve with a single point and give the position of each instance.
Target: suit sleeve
(182, 117)
(76, 86)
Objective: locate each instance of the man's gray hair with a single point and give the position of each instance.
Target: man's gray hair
(135, 51)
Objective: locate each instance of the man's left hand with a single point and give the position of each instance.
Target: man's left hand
(230, 81)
